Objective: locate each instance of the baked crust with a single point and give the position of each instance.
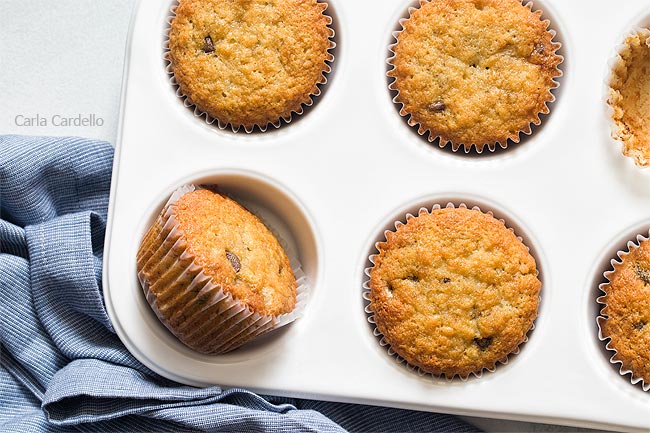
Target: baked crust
(454, 291)
(213, 225)
(264, 60)
(490, 63)
(203, 238)
(627, 311)
(629, 97)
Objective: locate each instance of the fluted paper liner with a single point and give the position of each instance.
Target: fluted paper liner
(422, 130)
(614, 65)
(380, 336)
(210, 120)
(190, 297)
(601, 318)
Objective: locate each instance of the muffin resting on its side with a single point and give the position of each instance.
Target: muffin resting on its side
(474, 72)
(453, 291)
(629, 97)
(626, 320)
(213, 273)
(252, 62)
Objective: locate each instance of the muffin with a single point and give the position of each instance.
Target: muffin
(253, 62)
(629, 97)
(214, 274)
(625, 317)
(453, 291)
(474, 72)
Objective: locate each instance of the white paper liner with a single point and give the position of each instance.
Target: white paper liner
(479, 148)
(601, 318)
(188, 103)
(615, 60)
(380, 336)
(228, 309)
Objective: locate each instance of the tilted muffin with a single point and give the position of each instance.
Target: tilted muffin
(474, 72)
(629, 97)
(250, 62)
(453, 291)
(213, 273)
(626, 315)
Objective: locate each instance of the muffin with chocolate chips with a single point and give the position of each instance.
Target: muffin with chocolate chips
(625, 318)
(251, 62)
(213, 273)
(453, 291)
(474, 72)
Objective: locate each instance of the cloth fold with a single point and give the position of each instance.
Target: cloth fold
(63, 368)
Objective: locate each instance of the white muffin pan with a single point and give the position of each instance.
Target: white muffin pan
(330, 182)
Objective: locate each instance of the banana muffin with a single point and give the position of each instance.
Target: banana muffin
(453, 291)
(629, 97)
(474, 72)
(213, 273)
(626, 315)
(251, 62)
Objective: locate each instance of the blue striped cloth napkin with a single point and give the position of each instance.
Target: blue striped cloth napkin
(62, 367)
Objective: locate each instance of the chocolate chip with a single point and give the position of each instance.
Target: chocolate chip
(483, 343)
(234, 261)
(413, 278)
(642, 273)
(437, 106)
(539, 48)
(208, 47)
(639, 325)
(446, 280)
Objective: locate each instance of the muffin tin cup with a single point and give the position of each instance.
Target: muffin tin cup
(616, 62)
(236, 324)
(380, 336)
(467, 148)
(614, 360)
(210, 120)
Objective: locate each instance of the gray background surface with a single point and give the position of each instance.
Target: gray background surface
(66, 58)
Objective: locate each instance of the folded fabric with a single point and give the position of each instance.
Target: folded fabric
(62, 366)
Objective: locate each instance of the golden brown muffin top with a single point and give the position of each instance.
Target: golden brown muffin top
(454, 291)
(474, 72)
(237, 251)
(249, 62)
(627, 299)
(629, 97)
